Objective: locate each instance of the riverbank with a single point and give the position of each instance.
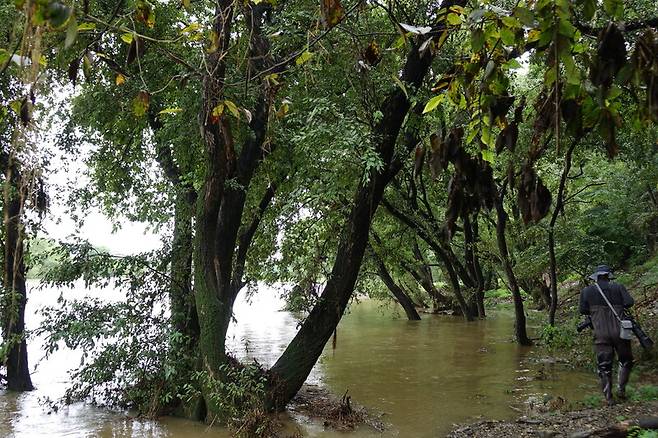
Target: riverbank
(557, 417)
(610, 421)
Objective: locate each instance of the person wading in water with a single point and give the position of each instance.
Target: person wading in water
(606, 328)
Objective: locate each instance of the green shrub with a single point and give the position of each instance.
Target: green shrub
(593, 401)
(643, 393)
(638, 432)
(559, 336)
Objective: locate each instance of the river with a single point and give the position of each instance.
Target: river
(422, 377)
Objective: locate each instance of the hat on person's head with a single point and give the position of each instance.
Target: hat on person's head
(601, 270)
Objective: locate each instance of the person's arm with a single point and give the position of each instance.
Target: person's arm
(627, 299)
(584, 305)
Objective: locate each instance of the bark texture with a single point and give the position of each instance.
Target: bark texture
(519, 313)
(15, 291)
(400, 296)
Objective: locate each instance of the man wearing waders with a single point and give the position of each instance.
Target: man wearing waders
(606, 328)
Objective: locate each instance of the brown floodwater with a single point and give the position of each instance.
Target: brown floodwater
(421, 377)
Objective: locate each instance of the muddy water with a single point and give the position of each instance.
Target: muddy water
(422, 377)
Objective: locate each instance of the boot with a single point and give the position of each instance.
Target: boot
(624, 374)
(606, 386)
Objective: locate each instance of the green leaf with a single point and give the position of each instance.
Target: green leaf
(471, 136)
(175, 110)
(511, 22)
(614, 8)
(433, 103)
(507, 36)
(614, 92)
(233, 108)
(193, 27)
(71, 33)
(477, 40)
(85, 27)
(589, 8)
(566, 28)
(454, 19)
(127, 38)
(304, 57)
(400, 84)
(141, 103)
(4, 57)
(15, 106)
(512, 64)
(488, 155)
(218, 110)
(571, 71)
(525, 16)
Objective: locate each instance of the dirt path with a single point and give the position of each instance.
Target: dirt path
(614, 421)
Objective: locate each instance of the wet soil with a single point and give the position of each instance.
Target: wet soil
(613, 421)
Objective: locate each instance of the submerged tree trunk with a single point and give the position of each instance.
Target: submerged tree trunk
(293, 367)
(440, 253)
(520, 322)
(15, 291)
(559, 205)
(398, 293)
(473, 262)
(423, 275)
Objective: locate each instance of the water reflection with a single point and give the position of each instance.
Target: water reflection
(422, 376)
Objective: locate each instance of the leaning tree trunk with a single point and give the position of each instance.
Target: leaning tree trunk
(442, 254)
(398, 293)
(295, 364)
(520, 322)
(423, 275)
(15, 291)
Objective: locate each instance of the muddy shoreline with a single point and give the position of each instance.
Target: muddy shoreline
(613, 421)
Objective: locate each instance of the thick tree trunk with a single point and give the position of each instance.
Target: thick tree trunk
(520, 323)
(183, 307)
(398, 293)
(15, 291)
